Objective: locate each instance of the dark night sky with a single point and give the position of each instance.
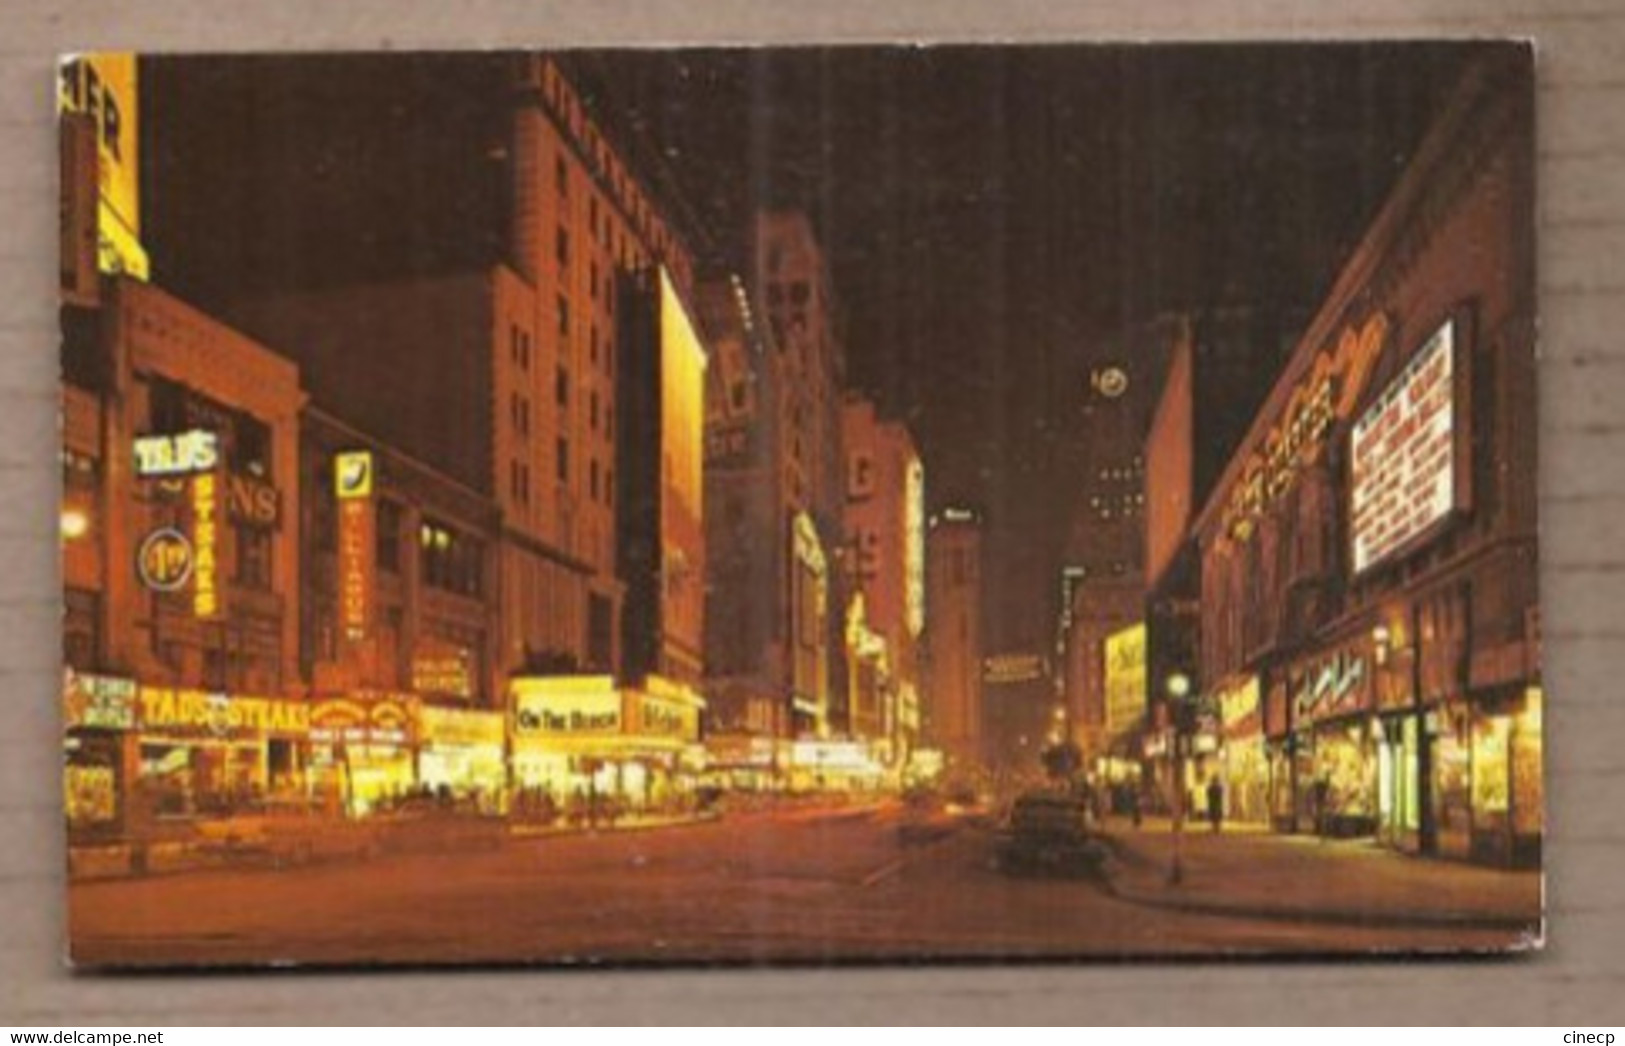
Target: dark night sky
(996, 218)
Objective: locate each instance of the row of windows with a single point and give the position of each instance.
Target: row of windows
(1121, 475)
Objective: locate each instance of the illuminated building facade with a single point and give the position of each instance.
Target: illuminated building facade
(770, 598)
(400, 635)
(660, 522)
(479, 332)
(1221, 363)
(1368, 557)
(180, 561)
(1102, 584)
(885, 549)
(180, 504)
(953, 694)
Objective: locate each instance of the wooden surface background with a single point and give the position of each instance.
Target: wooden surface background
(1578, 980)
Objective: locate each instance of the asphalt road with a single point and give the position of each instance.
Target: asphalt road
(783, 887)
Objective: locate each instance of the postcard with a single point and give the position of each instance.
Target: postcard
(800, 505)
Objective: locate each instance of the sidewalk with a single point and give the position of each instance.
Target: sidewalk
(1251, 873)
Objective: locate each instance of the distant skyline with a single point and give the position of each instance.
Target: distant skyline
(996, 219)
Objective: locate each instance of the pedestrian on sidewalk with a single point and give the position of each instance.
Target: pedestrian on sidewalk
(1215, 802)
(1134, 804)
(1323, 795)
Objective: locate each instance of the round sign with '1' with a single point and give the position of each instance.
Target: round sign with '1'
(164, 560)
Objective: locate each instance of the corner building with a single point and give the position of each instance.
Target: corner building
(1368, 557)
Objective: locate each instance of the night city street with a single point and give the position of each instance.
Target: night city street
(808, 886)
(824, 504)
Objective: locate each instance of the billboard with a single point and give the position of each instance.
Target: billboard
(103, 87)
(682, 455)
(1125, 677)
(1403, 456)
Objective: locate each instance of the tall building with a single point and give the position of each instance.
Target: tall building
(1102, 577)
(768, 624)
(885, 553)
(802, 310)
(480, 333)
(1370, 634)
(953, 592)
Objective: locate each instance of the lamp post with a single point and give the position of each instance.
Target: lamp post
(1178, 688)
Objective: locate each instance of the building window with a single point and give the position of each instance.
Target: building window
(609, 486)
(388, 537)
(592, 343)
(562, 247)
(592, 410)
(561, 387)
(563, 460)
(564, 316)
(167, 406)
(562, 170)
(592, 280)
(450, 560)
(250, 446)
(593, 483)
(600, 632)
(253, 557)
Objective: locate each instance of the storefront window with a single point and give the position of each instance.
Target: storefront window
(182, 779)
(1342, 760)
(1491, 773)
(1528, 786)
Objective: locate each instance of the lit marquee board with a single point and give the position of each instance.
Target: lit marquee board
(1403, 456)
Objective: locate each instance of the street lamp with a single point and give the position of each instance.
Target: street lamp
(1178, 687)
(75, 523)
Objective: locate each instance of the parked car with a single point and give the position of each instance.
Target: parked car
(1049, 831)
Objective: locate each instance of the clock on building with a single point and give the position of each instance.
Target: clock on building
(1110, 382)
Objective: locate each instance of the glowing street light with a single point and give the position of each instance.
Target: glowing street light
(75, 524)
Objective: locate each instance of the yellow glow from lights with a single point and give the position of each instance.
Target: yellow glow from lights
(75, 524)
(914, 547)
(1125, 677)
(103, 86)
(205, 546)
